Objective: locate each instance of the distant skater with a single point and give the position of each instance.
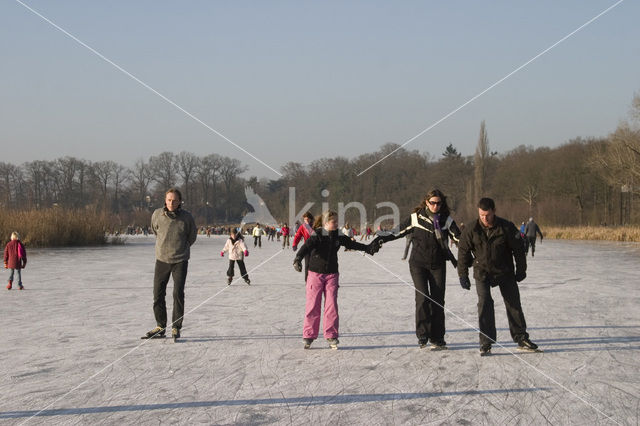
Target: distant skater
(304, 232)
(257, 235)
(15, 259)
(530, 231)
(237, 252)
(323, 246)
(491, 245)
(430, 226)
(286, 234)
(175, 232)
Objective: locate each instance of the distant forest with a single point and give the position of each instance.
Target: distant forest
(583, 182)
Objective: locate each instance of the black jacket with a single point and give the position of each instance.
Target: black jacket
(428, 251)
(324, 247)
(491, 251)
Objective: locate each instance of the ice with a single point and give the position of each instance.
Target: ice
(72, 352)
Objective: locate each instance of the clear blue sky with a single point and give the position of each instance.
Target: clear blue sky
(298, 80)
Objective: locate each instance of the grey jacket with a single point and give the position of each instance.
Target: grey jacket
(176, 232)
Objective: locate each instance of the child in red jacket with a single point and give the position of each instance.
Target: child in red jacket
(15, 259)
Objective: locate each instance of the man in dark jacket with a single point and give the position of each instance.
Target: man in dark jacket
(175, 232)
(530, 230)
(491, 245)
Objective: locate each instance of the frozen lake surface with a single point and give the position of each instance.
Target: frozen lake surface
(71, 350)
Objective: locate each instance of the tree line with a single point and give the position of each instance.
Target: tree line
(588, 181)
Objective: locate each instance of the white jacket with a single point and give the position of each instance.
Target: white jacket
(236, 250)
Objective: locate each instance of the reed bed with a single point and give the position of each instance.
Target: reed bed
(599, 233)
(55, 227)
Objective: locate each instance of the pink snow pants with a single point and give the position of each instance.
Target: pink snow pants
(317, 285)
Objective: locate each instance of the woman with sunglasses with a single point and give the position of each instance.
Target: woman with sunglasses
(431, 226)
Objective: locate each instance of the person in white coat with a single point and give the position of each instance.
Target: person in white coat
(237, 252)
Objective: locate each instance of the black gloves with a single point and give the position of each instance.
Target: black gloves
(465, 283)
(297, 265)
(520, 276)
(373, 246)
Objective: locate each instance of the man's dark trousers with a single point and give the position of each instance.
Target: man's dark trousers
(160, 280)
(486, 314)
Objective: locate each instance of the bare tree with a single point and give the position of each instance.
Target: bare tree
(141, 176)
(208, 172)
(103, 173)
(164, 169)
(187, 167)
(230, 169)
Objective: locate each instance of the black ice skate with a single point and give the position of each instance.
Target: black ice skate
(526, 345)
(485, 350)
(333, 343)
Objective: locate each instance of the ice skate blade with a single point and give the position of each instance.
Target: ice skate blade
(438, 348)
(528, 350)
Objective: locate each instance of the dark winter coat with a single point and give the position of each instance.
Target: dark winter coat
(531, 229)
(491, 251)
(323, 246)
(15, 255)
(428, 251)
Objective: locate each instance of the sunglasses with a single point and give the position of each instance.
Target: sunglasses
(435, 203)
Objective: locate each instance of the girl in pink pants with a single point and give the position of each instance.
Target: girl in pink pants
(323, 275)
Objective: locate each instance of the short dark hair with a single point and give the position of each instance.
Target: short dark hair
(175, 191)
(486, 204)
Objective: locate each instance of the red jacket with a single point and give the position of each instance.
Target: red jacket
(15, 256)
(285, 231)
(304, 231)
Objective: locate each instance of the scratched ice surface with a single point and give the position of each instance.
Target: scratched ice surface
(71, 351)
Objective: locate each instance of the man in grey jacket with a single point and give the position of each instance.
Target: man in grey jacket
(175, 232)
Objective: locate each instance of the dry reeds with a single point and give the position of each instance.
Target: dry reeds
(601, 233)
(55, 227)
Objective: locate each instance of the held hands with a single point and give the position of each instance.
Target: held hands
(465, 283)
(520, 276)
(373, 247)
(246, 253)
(297, 265)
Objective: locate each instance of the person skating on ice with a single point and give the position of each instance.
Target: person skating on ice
(430, 226)
(491, 245)
(304, 232)
(15, 259)
(257, 233)
(530, 230)
(175, 232)
(237, 252)
(323, 275)
(286, 235)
